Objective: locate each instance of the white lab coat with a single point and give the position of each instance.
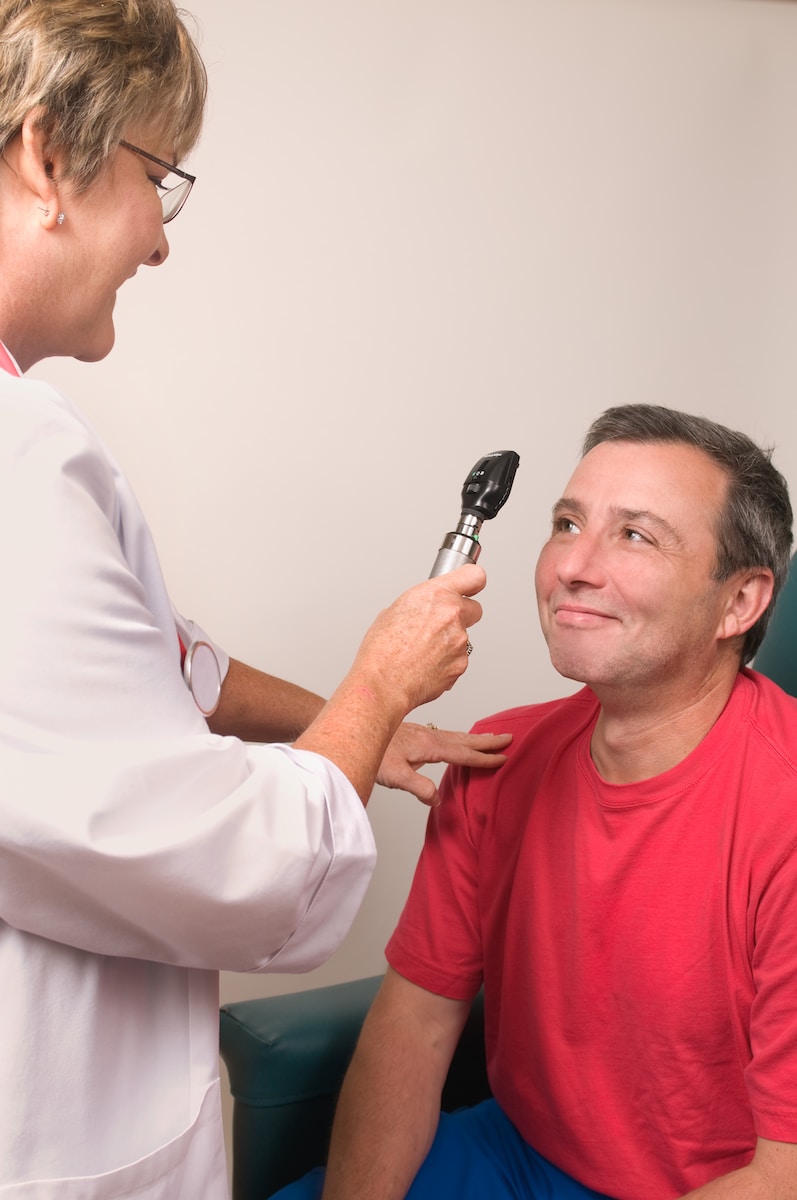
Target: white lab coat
(139, 853)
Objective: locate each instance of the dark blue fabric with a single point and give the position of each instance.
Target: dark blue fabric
(477, 1153)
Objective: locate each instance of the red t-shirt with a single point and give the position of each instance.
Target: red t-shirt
(637, 943)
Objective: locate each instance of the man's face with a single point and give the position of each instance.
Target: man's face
(624, 583)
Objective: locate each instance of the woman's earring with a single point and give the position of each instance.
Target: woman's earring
(61, 218)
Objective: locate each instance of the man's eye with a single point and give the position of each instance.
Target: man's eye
(565, 525)
(633, 535)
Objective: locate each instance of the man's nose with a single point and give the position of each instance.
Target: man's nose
(582, 561)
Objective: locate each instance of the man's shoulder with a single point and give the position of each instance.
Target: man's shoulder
(771, 693)
(772, 715)
(573, 710)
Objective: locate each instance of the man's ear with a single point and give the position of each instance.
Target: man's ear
(749, 594)
(37, 166)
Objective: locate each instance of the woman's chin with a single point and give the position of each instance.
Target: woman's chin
(98, 349)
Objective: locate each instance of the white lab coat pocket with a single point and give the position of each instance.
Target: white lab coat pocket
(190, 1167)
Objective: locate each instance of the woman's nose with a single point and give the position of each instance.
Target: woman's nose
(161, 251)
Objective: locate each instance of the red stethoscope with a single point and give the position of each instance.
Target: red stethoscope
(201, 670)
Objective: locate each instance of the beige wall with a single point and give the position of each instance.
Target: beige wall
(423, 230)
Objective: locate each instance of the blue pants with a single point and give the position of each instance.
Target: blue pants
(477, 1152)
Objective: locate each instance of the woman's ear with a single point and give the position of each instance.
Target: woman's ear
(36, 165)
(752, 592)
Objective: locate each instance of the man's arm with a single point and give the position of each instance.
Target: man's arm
(257, 707)
(389, 1105)
(771, 1175)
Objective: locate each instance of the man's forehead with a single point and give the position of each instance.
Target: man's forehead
(666, 479)
(651, 461)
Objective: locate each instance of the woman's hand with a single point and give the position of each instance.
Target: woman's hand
(415, 650)
(418, 647)
(415, 745)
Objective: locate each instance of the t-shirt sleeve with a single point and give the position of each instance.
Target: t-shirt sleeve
(437, 942)
(771, 1074)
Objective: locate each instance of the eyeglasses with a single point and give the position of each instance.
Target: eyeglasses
(173, 193)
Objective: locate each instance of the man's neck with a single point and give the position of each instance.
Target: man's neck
(636, 741)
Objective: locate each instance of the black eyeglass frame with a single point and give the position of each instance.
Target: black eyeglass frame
(189, 179)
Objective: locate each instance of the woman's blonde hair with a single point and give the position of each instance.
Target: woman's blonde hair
(93, 69)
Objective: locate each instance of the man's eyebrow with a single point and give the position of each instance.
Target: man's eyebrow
(567, 504)
(646, 517)
(632, 515)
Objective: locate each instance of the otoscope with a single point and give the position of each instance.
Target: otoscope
(484, 492)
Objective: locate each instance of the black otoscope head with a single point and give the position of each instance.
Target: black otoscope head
(484, 492)
(488, 485)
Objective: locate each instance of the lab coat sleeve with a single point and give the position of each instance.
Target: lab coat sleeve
(126, 827)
